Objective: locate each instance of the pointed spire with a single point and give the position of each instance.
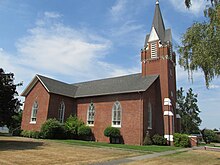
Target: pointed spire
(158, 23)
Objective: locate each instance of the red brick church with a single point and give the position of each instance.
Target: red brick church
(136, 103)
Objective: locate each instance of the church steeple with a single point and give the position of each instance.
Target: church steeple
(158, 23)
(157, 58)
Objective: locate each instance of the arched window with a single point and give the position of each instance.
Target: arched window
(91, 114)
(116, 114)
(149, 114)
(61, 111)
(34, 112)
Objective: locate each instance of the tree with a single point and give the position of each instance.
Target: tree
(189, 111)
(9, 105)
(208, 135)
(200, 44)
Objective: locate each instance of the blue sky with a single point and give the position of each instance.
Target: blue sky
(75, 40)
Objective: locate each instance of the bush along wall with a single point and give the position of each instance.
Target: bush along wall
(159, 140)
(181, 140)
(113, 134)
(85, 132)
(53, 129)
(73, 128)
(72, 125)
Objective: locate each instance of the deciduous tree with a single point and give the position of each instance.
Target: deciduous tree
(9, 104)
(200, 44)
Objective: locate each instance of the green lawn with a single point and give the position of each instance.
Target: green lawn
(150, 148)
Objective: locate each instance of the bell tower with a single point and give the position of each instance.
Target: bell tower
(157, 58)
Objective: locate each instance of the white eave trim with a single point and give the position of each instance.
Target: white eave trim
(31, 85)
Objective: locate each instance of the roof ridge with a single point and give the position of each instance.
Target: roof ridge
(39, 76)
(106, 78)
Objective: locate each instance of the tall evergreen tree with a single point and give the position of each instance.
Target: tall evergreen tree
(9, 105)
(189, 111)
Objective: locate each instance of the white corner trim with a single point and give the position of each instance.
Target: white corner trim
(168, 113)
(178, 116)
(169, 137)
(167, 101)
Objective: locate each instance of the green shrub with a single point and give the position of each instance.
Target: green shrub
(25, 133)
(159, 140)
(181, 140)
(71, 126)
(208, 135)
(147, 140)
(84, 130)
(30, 134)
(52, 129)
(112, 132)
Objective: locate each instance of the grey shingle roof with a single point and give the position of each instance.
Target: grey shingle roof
(123, 84)
(158, 23)
(58, 87)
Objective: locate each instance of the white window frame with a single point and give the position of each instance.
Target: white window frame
(149, 116)
(154, 50)
(116, 114)
(91, 114)
(34, 113)
(61, 112)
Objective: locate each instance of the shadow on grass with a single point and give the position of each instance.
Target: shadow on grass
(18, 145)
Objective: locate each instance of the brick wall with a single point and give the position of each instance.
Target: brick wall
(153, 95)
(54, 104)
(39, 94)
(132, 121)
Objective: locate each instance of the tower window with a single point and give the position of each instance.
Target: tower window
(154, 50)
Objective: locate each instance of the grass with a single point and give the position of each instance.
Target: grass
(19, 151)
(210, 145)
(192, 157)
(150, 148)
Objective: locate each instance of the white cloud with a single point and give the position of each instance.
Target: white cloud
(213, 86)
(56, 50)
(196, 8)
(52, 14)
(118, 9)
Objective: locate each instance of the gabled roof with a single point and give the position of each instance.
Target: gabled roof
(117, 85)
(124, 84)
(168, 37)
(52, 86)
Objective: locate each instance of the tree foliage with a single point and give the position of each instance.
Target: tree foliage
(189, 111)
(200, 44)
(208, 135)
(9, 104)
